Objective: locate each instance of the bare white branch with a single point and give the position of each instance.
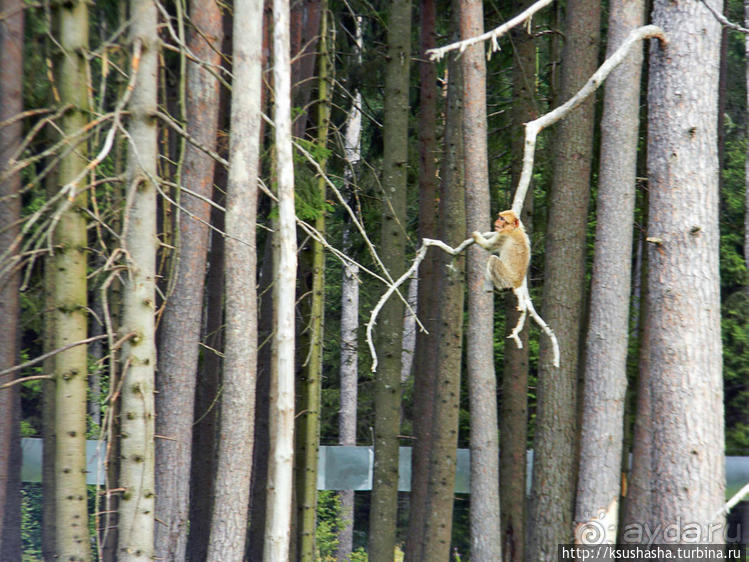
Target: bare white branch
(532, 128)
(493, 35)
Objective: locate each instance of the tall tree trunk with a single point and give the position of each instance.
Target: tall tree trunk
(601, 439)
(179, 342)
(688, 478)
(425, 362)
(11, 92)
(451, 289)
(235, 442)
(136, 507)
(555, 441)
(309, 422)
(387, 394)
(349, 316)
(208, 384)
(482, 386)
(280, 471)
(69, 295)
(513, 411)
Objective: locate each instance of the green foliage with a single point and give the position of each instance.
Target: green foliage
(329, 521)
(31, 521)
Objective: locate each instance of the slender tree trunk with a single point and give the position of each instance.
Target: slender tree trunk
(178, 349)
(280, 471)
(11, 92)
(309, 423)
(451, 289)
(136, 507)
(688, 478)
(513, 412)
(387, 394)
(598, 485)
(485, 519)
(426, 344)
(235, 442)
(69, 295)
(555, 441)
(349, 317)
(208, 384)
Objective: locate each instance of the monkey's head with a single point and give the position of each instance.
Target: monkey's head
(506, 222)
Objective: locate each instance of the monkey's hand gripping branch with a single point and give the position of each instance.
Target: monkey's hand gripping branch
(525, 304)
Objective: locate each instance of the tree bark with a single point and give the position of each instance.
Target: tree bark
(280, 470)
(482, 387)
(349, 316)
(69, 295)
(513, 410)
(136, 507)
(11, 92)
(235, 442)
(555, 441)
(688, 478)
(180, 337)
(387, 393)
(425, 360)
(446, 403)
(309, 420)
(599, 479)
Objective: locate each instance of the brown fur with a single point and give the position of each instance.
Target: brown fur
(510, 242)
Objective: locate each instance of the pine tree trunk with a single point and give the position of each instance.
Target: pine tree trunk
(136, 507)
(280, 470)
(11, 92)
(387, 393)
(599, 478)
(451, 289)
(485, 519)
(180, 325)
(426, 344)
(203, 470)
(235, 441)
(688, 478)
(309, 421)
(555, 440)
(513, 411)
(69, 296)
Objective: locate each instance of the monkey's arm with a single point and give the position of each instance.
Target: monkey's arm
(489, 241)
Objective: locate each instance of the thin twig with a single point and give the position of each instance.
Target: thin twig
(45, 356)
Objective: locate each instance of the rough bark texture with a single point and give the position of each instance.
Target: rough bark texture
(605, 383)
(235, 442)
(451, 289)
(180, 337)
(309, 419)
(426, 344)
(136, 508)
(555, 442)
(69, 296)
(11, 92)
(688, 477)
(482, 386)
(513, 409)
(383, 512)
(207, 387)
(280, 471)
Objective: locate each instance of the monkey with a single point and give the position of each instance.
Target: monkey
(510, 242)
